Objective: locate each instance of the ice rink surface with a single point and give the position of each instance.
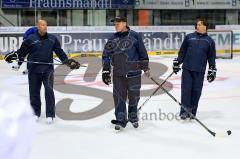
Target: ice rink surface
(159, 137)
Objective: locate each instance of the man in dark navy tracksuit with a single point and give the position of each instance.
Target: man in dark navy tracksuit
(126, 52)
(196, 50)
(40, 47)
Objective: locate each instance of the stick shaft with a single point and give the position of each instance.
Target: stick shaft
(44, 63)
(155, 92)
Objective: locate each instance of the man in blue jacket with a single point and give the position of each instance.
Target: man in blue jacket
(29, 32)
(40, 47)
(196, 50)
(126, 52)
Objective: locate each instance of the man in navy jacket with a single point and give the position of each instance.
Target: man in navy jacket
(196, 50)
(39, 47)
(126, 53)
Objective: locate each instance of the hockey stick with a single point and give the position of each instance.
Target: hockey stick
(45, 63)
(191, 115)
(154, 92)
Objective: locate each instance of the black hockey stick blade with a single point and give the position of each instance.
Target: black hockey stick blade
(228, 133)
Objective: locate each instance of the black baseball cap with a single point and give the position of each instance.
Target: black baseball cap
(119, 19)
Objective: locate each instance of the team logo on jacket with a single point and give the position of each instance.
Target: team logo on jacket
(36, 41)
(125, 44)
(193, 39)
(110, 46)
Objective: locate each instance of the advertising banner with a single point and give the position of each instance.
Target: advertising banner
(68, 4)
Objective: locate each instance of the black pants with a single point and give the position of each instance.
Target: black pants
(191, 89)
(124, 87)
(35, 81)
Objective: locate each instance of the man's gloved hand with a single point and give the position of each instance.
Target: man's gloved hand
(147, 72)
(176, 66)
(211, 73)
(72, 64)
(144, 65)
(9, 57)
(16, 67)
(106, 77)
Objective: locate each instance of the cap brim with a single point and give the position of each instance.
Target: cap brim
(117, 20)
